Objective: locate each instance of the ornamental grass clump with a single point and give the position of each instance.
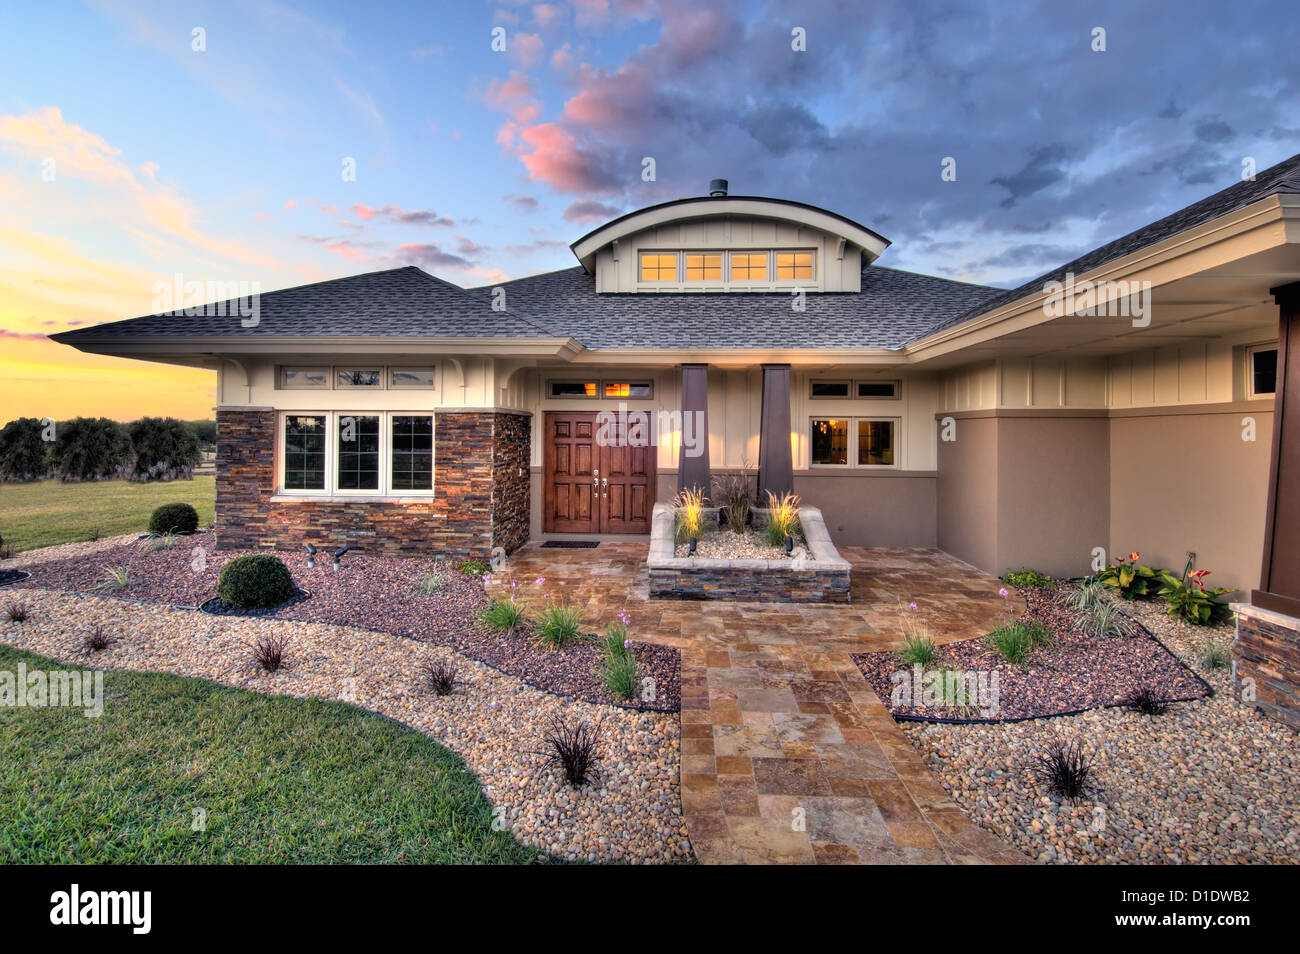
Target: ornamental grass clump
(117, 578)
(260, 581)
(618, 665)
(558, 625)
(167, 540)
(17, 612)
(504, 616)
(918, 648)
(782, 518)
(1016, 640)
(440, 676)
(575, 748)
(1064, 769)
(689, 513)
(731, 494)
(97, 640)
(269, 651)
(1146, 702)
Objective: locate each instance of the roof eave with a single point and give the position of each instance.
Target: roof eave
(156, 346)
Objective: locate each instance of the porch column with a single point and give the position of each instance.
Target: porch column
(693, 453)
(775, 467)
(1279, 585)
(1266, 649)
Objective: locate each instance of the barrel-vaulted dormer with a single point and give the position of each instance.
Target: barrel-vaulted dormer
(729, 243)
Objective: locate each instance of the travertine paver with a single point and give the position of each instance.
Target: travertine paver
(787, 754)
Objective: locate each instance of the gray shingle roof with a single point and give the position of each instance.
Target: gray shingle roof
(1281, 178)
(893, 308)
(399, 302)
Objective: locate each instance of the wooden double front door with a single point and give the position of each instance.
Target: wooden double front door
(591, 485)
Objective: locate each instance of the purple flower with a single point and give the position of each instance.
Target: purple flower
(541, 580)
(487, 577)
(1002, 592)
(627, 644)
(912, 606)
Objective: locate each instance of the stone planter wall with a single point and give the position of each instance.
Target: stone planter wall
(825, 578)
(1266, 662)
(480, 500)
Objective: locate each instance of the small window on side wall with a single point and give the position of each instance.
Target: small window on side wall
(632, 390)
(877, 389)
(794, 265)
(828, 389)
(658, 266)
(294, 379)
(358, 378)
(1262, 371)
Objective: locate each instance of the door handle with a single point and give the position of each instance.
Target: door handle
(604, 485)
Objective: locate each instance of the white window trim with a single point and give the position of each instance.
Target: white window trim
(282, 386)
(896, 396)
(811, 251)
(394, 386)
(572, 397)
(331, 490)
(1251, 393)
(679, 276)
(849, 388)
(332, 374)
(852, 449)
(381, 385)
(722, 260)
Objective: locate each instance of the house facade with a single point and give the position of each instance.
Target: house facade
(1124, 401)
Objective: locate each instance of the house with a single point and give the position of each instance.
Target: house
(1124, 401)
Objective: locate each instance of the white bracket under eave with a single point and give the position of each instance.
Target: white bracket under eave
(614, 248)
(839, 250)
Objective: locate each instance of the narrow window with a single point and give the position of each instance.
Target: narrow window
(658, 267)
(704, 267)
(357, 377)
(635, 390)
(412, 452)
(358, 452)
(876, 443)
(748, 266)
(573, 389)
(829, 389)
(794, 264)
(304, 378)
(830, 441)
(1263, 372)
(410, 378)
(877, 389)
(304, 452)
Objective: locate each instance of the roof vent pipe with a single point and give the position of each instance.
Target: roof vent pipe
(717, 187)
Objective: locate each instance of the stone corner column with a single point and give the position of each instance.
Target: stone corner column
(693, 462)
(775, 464)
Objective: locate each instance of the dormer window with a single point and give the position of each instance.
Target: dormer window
(658, 266)
(748, 266)
(791, 265)
(704, 266)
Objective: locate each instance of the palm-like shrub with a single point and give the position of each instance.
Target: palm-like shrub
(165, 449)
(260, 581)
(23, 451)
(87, 448)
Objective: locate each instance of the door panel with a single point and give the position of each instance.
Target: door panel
(594, 489)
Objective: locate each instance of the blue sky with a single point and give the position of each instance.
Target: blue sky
(477, 164)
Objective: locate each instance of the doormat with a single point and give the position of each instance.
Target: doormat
(571, 544)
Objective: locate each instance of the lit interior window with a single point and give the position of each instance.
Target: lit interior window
(704, 267)
(830, 442)
(876, 443)
(748, 266)
(794, 264)
(657, 267)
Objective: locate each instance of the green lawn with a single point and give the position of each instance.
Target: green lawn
(281, 780)
(47, 512)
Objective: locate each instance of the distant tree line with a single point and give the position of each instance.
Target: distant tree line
(96, 448)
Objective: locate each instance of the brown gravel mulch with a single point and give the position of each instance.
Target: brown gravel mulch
(370, 592)
(1079, 673)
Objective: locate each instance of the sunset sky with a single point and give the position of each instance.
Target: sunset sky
(127, 156)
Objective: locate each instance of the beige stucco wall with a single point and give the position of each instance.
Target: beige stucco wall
(966, 492)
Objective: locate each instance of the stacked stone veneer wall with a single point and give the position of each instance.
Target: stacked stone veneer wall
(480, 499)
(1266, 662)
(824, 578)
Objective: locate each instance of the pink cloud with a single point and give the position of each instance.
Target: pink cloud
(527, 48)
(551, 154)
(546, 14)
(400, 216)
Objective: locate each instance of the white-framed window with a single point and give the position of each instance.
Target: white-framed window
(704, 266)
(1261, 371)
(748, 266)
(795, 266)
(358, 377)
(853, 442)
(878, 390)
(840, 390)
(658, 267)
(573, 389)
(829, 390)
(356, 453)
(311, 379)
(423, 378)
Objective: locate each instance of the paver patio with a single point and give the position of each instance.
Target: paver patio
(787, 754)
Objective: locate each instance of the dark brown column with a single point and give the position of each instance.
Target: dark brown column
(775, 467)
(1279, 586)
(693, 468)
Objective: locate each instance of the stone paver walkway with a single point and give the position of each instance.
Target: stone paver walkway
(787, 754)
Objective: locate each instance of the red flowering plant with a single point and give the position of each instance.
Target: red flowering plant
(1188, 599)
(1133, 579)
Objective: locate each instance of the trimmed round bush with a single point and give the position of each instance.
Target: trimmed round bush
(255, 582)
(174, 518)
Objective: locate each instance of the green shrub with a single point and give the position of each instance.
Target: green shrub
(1016, 640)
(782, 518)
(1214, 654)
(688, 518)
(917, 650)
(505, 616)
(23, 451)
(731, 493)
(174, 518)
(1190, 601)
(1104, 619)
(1132, 579)
(260, 581)
(558, 626)
(1091, 593)
(165, 449)
(1026, 578)
(475, 568)
(117, 578)
(90, 449)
